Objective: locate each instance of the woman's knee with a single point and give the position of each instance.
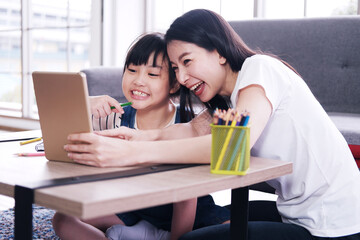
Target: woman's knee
(215, 232)
(277, 231)
(256, 231)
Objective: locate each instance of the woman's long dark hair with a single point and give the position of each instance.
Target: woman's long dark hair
(210, 31)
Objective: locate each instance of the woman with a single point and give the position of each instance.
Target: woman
(319, 200)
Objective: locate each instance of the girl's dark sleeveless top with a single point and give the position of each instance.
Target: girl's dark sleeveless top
(128, 118)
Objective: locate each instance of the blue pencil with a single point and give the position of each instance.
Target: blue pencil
(244, 121)
(236, 149)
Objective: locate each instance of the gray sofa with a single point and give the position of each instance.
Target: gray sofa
(105, 81)
(325, 51)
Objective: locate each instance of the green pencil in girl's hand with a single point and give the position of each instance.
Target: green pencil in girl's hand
(122, 105)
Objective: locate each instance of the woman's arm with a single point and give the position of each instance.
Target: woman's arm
(95, 150)
(197, 127)
(253, 100)
(183, 218)
(106, 149)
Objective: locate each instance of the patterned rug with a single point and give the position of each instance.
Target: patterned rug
(42, 227)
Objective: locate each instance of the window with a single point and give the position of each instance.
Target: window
(325, 8)
(39, 35)
(164, 12)
(49, 35)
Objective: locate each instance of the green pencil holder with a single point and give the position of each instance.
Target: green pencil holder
(230, 149)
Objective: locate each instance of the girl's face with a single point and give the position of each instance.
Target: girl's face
(201, 71)
(147, 86)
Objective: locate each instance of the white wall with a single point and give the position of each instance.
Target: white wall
(123, 23)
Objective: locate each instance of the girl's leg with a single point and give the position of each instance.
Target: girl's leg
(68, 227)
(142, 230)
(103, 223)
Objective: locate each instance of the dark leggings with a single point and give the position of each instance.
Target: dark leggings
(264, 224)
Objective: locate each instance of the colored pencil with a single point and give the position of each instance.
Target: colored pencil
(122, 105)
(37, 154)
(30, 141)
(225, 146)
(239, 143)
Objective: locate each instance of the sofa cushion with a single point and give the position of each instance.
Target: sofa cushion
(349, 126)
(105, 81)
(325, 51)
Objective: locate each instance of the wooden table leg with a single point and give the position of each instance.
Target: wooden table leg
(239, 213)
(24, 198)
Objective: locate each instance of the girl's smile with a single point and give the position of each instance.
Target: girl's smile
(139, 95)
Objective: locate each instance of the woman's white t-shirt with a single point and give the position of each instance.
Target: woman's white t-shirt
(323, 192)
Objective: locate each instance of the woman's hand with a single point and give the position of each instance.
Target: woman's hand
(99, 151)
(130, 134)
(101, 106)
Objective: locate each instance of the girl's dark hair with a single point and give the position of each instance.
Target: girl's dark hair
(141, 50)
(210, 31)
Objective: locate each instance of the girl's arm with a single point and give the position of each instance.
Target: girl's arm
(183, 218)
(100, 106)
(103, 116)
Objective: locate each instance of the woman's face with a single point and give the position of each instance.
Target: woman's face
(198, 69)
(147, 86)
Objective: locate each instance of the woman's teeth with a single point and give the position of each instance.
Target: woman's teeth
(195, 86)
(137, 93)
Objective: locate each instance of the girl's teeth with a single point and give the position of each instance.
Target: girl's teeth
(139, 93)
(195, 86)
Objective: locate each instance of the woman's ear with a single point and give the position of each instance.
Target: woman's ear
(175, 88)
(222, 60)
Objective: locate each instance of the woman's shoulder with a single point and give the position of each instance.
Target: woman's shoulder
(261, 59)
(262, 62)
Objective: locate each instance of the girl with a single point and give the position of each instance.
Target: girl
(320, 199)
(148, 84)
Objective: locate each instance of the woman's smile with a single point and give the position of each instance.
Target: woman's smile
(198, 88)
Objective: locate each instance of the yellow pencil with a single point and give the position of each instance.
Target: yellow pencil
(30, 141)
(225, 146)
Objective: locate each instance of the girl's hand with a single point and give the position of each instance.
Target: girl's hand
(101, 106)
(99, 151)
